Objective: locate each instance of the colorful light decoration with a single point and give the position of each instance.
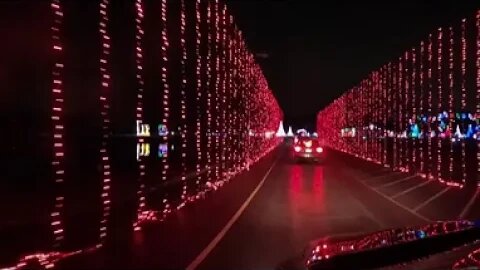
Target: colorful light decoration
(418, 118)
(229, 83)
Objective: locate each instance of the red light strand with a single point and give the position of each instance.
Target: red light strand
(58, 124)
(105, 113)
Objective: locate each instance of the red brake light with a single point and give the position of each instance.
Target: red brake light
(319, 149)
(298, 148)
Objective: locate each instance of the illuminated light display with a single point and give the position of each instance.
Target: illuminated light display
(162, 130)
(280, 130)
(165, 103)
(290, 132)
(471, 261)
(198, 97)
(224, 154)
(384, 114)
(217, 91)
(183, 100)
(421, 108)
(323, 250)
(143, 130)
(463, 97)
(231, 99)
(162, 150)
(408, 109)
(477, 96)
(105, 113)
(401, 109)
(58, 159)
(419, 125)
(440, 100)
(428, 129)
(414, 109)
(209, 93)
(389, 109)
(143, 150)
(450, 96)
(139, 109)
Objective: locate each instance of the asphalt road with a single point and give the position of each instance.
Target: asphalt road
(268, 215)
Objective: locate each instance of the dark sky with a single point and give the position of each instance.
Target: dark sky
(319, 49)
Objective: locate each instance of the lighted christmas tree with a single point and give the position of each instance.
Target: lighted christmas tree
(281, 130)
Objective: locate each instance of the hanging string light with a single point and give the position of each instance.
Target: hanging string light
(440, 100)
(139, 109)
(463, 98)
(376, 99)
(223, 92)
(450, 96)
(165, 102)
(407, 116)
(217, 92)
(209, 92)
(477, 108)
(384, 107)
(232, 94)
(198, 98)
(429, 107)
(389, 111)
(395, 115)
(237, 88)
(401, 109)
(58, 160)
(183, 107)
(421, 109)
(105, 90)
(414, 107)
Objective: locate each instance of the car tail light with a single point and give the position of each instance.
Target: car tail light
(319, 149)
(298, 148)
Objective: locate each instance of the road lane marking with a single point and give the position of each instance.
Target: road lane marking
(395, 202)
(206, 251)
(420, 206)
(369, 214)
(395, 182)
(411, 189)
(469, 205)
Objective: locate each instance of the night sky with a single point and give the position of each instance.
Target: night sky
(317, 51)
